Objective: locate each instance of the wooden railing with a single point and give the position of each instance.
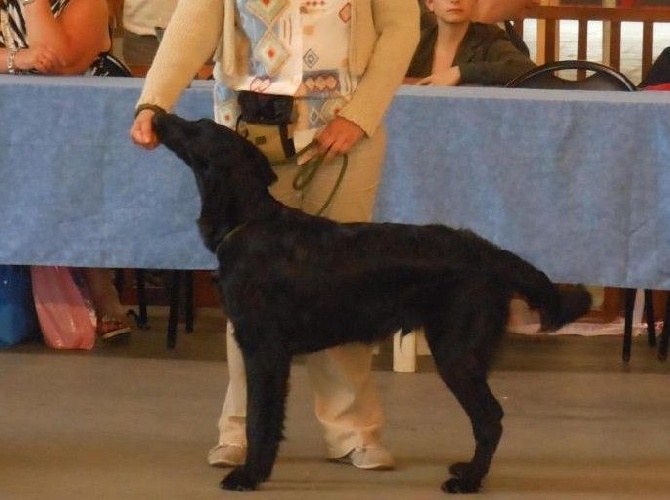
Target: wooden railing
(550, 17)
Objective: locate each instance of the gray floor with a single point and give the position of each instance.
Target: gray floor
(134, 421)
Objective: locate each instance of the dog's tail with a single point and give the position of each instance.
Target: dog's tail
(557, 305)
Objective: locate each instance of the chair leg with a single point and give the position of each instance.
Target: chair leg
(188, 299)
(629, 306)
(651, 319)
(140, 290)
(174, 310)
(665, 333)
(119, 280)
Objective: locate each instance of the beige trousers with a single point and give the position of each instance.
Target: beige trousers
(346, 401)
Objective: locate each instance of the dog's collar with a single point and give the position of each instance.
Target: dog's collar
(234, 231)
(230, 234)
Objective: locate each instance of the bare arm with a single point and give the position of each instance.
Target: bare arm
(41, 59)
(76, 37)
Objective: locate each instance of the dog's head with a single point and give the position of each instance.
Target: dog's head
(231, 173)
(204, 145)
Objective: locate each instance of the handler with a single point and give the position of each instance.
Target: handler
(339, 63)
(326, 71)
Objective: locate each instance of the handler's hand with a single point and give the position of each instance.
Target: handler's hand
(338, 138)
(142, 131)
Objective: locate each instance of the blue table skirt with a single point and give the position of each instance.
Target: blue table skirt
(577, 182)
(76, 191)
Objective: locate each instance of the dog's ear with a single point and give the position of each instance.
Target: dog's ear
(261, 163)
(208, 234)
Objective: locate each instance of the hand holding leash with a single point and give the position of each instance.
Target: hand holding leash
(338, 138)
(310, 160)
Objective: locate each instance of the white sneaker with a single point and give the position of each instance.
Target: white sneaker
(372, 457)
(227, 455)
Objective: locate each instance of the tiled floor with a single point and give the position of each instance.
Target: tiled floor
(131, 421)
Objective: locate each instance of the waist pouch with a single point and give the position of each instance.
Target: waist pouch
(265, 120)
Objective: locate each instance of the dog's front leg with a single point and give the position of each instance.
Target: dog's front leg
(268, 370)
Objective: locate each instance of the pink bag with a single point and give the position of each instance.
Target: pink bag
(64, 318)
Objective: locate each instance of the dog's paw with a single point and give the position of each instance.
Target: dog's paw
(465, 479)
(456, 485)
(238, 480)
(460, 469)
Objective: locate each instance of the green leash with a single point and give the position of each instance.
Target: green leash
(300, 182)
(307, 171)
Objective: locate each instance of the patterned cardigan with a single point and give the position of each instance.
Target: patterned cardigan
(383, 37)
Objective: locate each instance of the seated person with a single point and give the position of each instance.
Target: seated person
(457, 51)
(52, 37)
(64, 37)
(487, 11)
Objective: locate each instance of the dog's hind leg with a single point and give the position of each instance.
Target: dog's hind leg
(463, 363)
(268, 370)
(485, 413)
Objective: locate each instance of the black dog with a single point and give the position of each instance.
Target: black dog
(293, 283)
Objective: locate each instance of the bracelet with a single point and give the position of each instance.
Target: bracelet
(11, 69)
(153, 107)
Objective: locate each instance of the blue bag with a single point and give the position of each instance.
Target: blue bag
(18, 319)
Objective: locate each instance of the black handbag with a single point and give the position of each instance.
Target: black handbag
(266, 121)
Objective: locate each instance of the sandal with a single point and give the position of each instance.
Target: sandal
(109, 327)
